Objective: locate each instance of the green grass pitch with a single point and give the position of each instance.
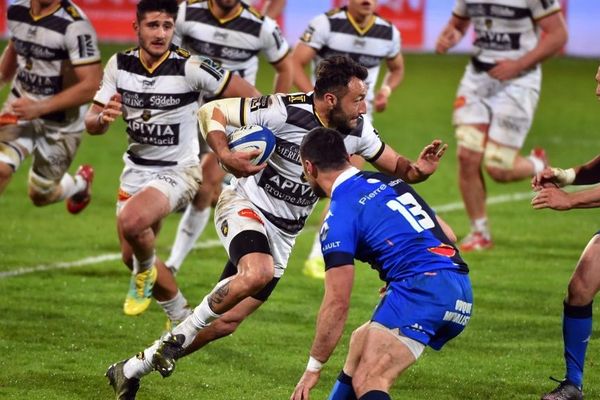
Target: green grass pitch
(61, 328)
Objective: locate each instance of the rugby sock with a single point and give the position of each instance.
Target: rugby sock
(315, 251)
(71, 185)
(538, 164)
(177, 308)
(342, 389)
(141, 364)
(190, 227)
(143, 265)
(481, 225)
(201, 317)
(577, 329)
(375, 395)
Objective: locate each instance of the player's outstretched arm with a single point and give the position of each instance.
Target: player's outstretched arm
(451, 34)
(239, 87)
(301, 57)
(395, 164)
(392, 79)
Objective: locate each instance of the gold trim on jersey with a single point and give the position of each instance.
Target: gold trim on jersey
(546, 15)
(359, 30)
(158, 63)
(36, 18)
(319, 120)
(225, 20)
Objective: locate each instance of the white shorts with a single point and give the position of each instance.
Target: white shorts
(179, 184)
(235, 214)
(507, 107)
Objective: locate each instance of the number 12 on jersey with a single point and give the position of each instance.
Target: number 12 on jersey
(412, 211)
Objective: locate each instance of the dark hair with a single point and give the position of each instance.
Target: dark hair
(167, 6)
(334, 73)
(324, 148)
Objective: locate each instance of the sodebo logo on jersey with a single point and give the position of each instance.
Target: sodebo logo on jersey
(164, 101)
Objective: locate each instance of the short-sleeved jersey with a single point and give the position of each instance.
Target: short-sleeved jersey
(335, 33)
(48, 48)
(504, 29)
(382, 221)
(234, 42)
(280, 190)
(160, 104)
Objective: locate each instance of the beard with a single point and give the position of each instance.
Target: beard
(227, 5)
(318, 191)
(339, 119)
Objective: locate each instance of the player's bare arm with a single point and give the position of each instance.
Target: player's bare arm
(301, 57)
(452, 33)
(330, 324)
(8, 63)
(554, 38)
(284, 74)
(99, 117)
(87, 76)
(239, 87)
(273, 8)
(395, 164)
(392, 79)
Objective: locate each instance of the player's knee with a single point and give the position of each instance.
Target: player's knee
(129, 223)
(42, 191)
(499, 161)
(581, 291)
(10, 160)
(256, 275)
(6, 171)
(470, 137)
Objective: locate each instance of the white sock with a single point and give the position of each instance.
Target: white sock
(481, 225)
(199, 319)
(71, 185)
(315, 251)
(141, 364)
(190, 227)
(177, 308)
(538, 164)
(144, 265)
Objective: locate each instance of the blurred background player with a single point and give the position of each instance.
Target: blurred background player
(498, 95)
(232, 33)
(54, 58)
(399, 235)
(585, 282)
(357, 32)
(259, 216)
(156, 87)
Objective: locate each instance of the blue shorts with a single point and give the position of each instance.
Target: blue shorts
(431, 307)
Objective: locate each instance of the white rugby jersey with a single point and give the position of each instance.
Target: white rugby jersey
(504, 29)
(335, 33)
(280, 190)
(234, 42)
(48, 48)
(160, 105)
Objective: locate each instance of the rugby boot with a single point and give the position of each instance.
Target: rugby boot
(168, 351)
(80, 200)
(475, 241)
(139, 297)
(314, 268)
(125, 389)
(564, 391)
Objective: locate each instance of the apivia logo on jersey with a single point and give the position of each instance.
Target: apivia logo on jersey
(153, 134)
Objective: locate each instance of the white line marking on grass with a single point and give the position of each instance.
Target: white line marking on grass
(212, 243)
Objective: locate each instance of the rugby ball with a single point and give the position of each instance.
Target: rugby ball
(253, 137)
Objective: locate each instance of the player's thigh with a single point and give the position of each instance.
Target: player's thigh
(585, 282)
(470, 105)
(54, 151)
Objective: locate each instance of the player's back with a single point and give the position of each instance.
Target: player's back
(391, 227)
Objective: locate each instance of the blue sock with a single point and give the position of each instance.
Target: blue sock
(342, 390)
(577, 329)
(375, 395)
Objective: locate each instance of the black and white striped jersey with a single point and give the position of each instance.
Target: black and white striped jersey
(48, 47)
(234, 42)
(280, 190)
(504, 29)
(160, 104)
(335, 33)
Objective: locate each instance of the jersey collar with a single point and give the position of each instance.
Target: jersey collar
(36, 18)
(225, 20)
(343, 177)
(356, 26)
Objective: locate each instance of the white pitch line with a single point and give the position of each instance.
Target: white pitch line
(507, 198)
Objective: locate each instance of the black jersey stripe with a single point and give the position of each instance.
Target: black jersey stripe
(497, 11)
(157, 101)
(20, 13)
(240, 24)
(220, 52)
(39, 52)
(301, 118)
(130, 62)
(377, 31)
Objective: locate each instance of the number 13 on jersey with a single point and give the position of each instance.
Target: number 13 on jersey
(412, 211)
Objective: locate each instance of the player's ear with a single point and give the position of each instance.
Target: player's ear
(330, 99)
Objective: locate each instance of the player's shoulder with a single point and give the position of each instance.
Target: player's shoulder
(296, 98)
(334, 12)
(251, 13)
(180, 52)
(379, 20)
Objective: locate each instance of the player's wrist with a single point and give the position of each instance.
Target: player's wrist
(385, 90)
(564, 177)
(314, 365)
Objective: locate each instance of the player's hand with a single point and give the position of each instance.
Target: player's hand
(506, 69)
(552, 177)
(27, 109)
(430, 157)
(553, 198)
(381, 100)
(113, 109)
(307, 382)
(239, 163)
(449, 38)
